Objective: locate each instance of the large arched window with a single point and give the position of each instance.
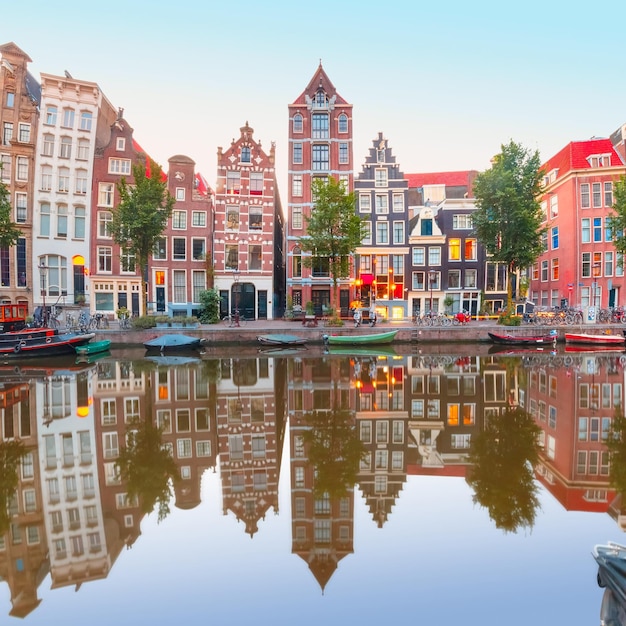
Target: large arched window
(297, 262)
(297, 123)
(342, 123)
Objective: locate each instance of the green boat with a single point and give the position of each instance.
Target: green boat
(360, 340)
(372, 350)
(93, 347)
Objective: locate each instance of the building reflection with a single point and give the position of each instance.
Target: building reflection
(349, 424)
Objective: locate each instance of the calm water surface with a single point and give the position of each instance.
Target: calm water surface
(310, 488)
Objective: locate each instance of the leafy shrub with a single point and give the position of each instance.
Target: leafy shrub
(143, 322)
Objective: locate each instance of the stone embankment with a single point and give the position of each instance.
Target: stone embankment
(408, 333)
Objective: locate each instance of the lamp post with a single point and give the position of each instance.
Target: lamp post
(236, 294)
(431, 279)
(43, 285)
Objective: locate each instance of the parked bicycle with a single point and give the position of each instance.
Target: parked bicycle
(99, 320)
(234, 319)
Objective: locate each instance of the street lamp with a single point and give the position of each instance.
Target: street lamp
(43, 284)
(236, 294)
(432, 276)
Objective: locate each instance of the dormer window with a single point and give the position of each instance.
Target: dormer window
(320, 98)
(599, 160)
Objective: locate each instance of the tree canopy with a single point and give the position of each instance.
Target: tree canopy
(508, 221)
(140, 218)
(617, 218)
(334, 229)
(9, 231)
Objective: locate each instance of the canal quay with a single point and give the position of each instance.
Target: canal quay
(408, 333)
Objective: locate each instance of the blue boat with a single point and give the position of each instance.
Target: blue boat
(168, 343)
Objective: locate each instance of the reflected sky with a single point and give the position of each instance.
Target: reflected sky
(438, 559)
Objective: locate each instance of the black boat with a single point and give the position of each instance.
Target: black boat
(38, 342)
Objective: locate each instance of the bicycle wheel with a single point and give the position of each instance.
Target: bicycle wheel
(227, 320)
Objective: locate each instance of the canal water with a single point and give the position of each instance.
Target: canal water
(303, 486)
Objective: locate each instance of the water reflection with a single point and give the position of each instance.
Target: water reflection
(89, 449)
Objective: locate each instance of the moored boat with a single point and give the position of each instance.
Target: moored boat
(604, 339)
(511, 339)
(172, 342)
(359, 340)
(277, 339)
(93, 347)
(40, 342)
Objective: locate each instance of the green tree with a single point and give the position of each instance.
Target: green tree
(508, 221)
(504, 456)
(140, 218)
(9, 231)
(147, 467)
(11, 452)
(335, 451)
(209, 306)
(616, 221)
(333, 232)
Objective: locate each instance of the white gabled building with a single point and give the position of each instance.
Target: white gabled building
(76, 117)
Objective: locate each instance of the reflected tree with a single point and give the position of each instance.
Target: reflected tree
(11, 453)
(334, 450)
(502, 477)
(147, 467)
(616, 445)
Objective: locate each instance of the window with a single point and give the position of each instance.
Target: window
(46, 178)
(44, 219)
(127, 261)
(555, 269)
(382, 232)
(198, 218)
(297, 123)
(104, 222)
(555, 238)
(419, 256)
(584, 196)
(454, 249)
(198, 248)
(86, 118)
(64, 180)
(470, 249)
(296, 185)
(367, 233)
(596, 195)
(608, 194)
(544, 271)
(398, 233)
(454, 279)
(82, 151)
(5, 168)
(586, 265)
(343, 153)
(380, 177)
(585, 230)
(180, 286)
(342, 123)
(245, 154)
(232, 217)
(51, 115)
(81, 182)
(296, 262)
(296, 217)
(199, 284)
(554, 206)
(105, 259)
(471, 279)
(160, 250)
(23, 134)
(256, 218)
(232, 257)
(65, 148)
(22, 169)
(256, 183)
(434, 256)
(597, 229)
(398, 203)
(120, 166)
(381, 201)
(20, 207)
(48, 145)
(233, 182)
(321, 160)
(7, 133)
(297, 153)
(105, 194)
(426, 227)
(10, 101)
(62, 221)
(365, 203)
(255, 257)
(179, 248)
(320, 126)
(68, 118)
(179, 220)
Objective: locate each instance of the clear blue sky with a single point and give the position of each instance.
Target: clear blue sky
(445, 82)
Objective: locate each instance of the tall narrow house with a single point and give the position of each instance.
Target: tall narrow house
(320, 145)
(248, 229)
(19, 115)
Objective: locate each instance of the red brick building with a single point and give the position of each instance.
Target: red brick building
(320, 145)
